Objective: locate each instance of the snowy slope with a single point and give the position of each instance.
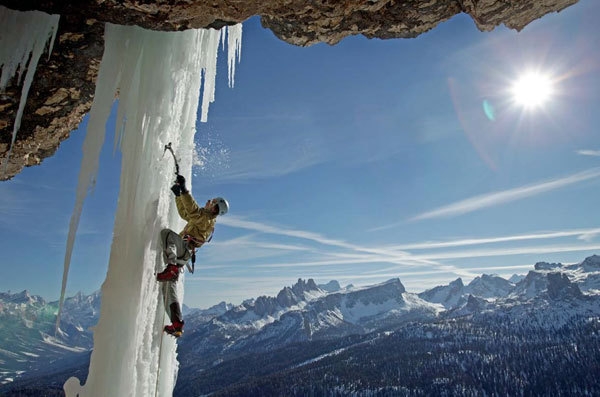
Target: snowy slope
(27, 338)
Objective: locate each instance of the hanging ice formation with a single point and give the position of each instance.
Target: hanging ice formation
(23, 39)
(157, 77)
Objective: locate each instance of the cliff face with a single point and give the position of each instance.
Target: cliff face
(64, 85)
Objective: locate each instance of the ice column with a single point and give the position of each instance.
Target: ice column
(234, 50)
(158, 77)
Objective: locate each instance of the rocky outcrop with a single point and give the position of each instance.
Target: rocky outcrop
(64, 84)
(301, 22)
(61, 94)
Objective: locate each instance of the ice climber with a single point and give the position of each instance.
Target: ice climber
(180, 248)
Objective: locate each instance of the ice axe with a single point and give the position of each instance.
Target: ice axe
(170, 149)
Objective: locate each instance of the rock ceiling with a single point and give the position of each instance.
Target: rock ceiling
(63, 89)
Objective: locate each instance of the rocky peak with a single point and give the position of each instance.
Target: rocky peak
(299, 292)
(219, 308)
(468, 305)
(23, 297)
(532, 285)
(456, 284)
(448, 295)
(377, 294)
(474, 304)
(489, 286)
(80, 298)
(286, 298)
(304, 286)
(516, 278)
(547, 266)
(591, 263)
(560, 287)
(332, 286)
(264, 305)
(555, 285)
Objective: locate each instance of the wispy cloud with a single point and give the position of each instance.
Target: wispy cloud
(543, 249)
(351, 254)
(269, 253)
(400, 254)
(242, 223)
(581, 234)
(267, 258)
(375, 254)
(595, 153)
(502, 197)
(589, 236)
(355, 253)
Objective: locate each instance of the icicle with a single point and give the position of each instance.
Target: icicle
(23, 38)
(92, 145)
(222, 37)
(209, 46)
(158, 77)
(234, 47)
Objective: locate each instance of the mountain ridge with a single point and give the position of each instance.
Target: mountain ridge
(550, 298)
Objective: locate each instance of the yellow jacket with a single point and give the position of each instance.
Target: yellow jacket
(200, 221)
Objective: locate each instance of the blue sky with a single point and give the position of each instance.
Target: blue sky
(359, 162)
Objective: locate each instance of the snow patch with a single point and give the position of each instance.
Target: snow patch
(359, 310)
(52, 341)
(321, 357)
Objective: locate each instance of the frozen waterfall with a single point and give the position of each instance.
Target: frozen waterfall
(157, 77)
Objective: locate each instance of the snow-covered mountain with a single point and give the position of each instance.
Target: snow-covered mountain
(299, 313)
(307, 312)
(554, 302)
(449, 296)
(456, 293)
(546, 278)
(489, 286)
(27, 338)
(548, 298)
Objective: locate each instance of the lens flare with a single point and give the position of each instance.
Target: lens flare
(489, 111)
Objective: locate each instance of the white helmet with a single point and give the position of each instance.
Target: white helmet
(222, 204)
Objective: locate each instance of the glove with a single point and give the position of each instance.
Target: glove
(181, 182)
(176, 189)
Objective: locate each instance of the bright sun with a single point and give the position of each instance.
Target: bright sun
(532, 89)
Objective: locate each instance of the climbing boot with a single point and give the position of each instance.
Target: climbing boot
(171, 273)
(175, 329)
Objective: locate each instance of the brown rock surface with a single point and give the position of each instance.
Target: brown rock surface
(61, 94)
(64, 85)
